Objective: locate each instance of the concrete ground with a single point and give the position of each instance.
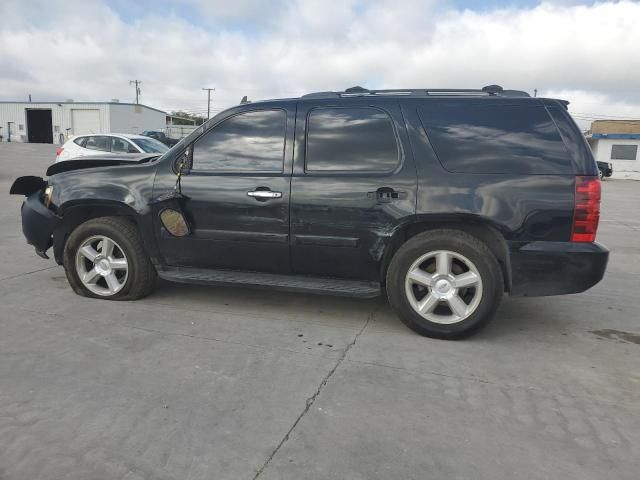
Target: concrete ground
(199, 382)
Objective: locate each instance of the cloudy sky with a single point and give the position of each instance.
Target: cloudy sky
(585, 52)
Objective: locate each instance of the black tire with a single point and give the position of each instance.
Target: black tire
(601, 174)
(463, 244)
(141, 277)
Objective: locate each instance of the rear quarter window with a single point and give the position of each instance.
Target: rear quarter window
(80, 141)
(500, 139)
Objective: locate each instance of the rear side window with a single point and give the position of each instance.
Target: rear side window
(515, 139)
(98, 143)
(350, 140)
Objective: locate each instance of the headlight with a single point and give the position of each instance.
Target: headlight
(46, 197)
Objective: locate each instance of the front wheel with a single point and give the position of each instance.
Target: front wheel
(444, 284)
(104, 258)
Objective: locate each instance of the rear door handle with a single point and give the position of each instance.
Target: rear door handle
(386, 195)
(264, 194)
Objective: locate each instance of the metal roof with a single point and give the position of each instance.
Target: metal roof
(81, 103)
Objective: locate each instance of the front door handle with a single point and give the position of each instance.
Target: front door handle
(264, 194)
(386, 195)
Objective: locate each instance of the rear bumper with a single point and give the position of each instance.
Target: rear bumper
(38, 223)
(556, 268)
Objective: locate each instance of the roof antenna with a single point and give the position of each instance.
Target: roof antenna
(244, 100)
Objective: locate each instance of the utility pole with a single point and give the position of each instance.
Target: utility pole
(209, 100)
(137, 83)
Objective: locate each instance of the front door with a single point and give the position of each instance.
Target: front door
(237, 194)
(354, 182)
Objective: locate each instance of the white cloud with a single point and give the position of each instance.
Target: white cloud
(86, 51)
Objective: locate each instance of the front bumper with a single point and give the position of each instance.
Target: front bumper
(556, 268)
(38, 223)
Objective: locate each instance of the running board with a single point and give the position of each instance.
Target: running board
(292, 283)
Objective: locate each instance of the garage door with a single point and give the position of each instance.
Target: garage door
(85, 121)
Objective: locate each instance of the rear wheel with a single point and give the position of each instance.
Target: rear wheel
(601, 174)
(444, 284)
(104, 258)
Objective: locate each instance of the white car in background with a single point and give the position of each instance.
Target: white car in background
(110, 143)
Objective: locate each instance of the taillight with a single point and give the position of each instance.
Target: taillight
(586, 211)
(59, 151)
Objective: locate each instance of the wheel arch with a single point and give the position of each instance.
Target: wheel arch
(479, 227)
(76, 214)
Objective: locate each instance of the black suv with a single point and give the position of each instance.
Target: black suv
(446, 199)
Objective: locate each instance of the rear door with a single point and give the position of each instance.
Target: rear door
(354, 182)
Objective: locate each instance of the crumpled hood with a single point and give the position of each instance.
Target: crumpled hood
(99, 161)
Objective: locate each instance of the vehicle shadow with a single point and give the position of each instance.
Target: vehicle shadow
(515, 317)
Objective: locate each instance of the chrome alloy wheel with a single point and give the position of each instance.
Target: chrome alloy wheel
(443, 287)
(102, 265)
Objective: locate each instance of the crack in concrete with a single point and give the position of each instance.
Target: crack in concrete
(27, 273)
(214, 339)
(310, 401)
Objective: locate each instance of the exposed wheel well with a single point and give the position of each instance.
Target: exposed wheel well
(484, 232)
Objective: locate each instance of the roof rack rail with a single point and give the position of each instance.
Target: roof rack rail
(358, 91)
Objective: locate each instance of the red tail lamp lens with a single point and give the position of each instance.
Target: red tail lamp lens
(586, 212)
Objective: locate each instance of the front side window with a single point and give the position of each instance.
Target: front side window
(119, 145)
(247, 142)
(624, 152)
(98, 143)
(358, 139)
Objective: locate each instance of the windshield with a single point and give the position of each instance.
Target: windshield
(150, 145)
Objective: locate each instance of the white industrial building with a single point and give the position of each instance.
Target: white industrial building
(616, 142)
(53, 122)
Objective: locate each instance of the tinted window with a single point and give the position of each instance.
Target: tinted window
(98, 143)
(472, 138)
(624, 152)
(80, 141)
(248, 142)
(119, 145)
(350, 139)
(150, 145)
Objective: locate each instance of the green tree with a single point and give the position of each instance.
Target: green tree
(186, 118)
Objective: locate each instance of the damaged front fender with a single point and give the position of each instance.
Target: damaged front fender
(27, 185)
